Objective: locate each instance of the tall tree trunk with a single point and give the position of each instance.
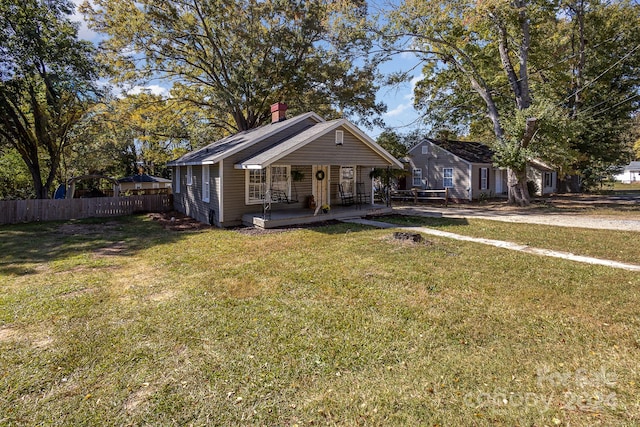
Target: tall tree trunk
(518, 191)
(519, 82)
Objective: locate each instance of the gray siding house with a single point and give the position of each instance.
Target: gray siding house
(231, 181)
(467, 170)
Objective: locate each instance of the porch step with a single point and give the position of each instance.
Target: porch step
(299, 217)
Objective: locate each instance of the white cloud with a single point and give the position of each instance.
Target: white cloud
(153, 89)
(398, 110)
(84, 32)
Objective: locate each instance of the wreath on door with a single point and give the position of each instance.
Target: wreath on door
(320, 175)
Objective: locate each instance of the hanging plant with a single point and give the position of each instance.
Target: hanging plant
(297, 175)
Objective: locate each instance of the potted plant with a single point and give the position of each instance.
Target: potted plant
(325, 208)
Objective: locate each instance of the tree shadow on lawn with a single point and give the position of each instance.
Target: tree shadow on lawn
(339, 227)
(24, 246)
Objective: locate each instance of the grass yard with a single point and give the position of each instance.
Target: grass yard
(120, 322)
(607, 244)
(617, 206)
(620, 188)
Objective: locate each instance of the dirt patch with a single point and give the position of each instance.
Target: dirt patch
(115, 248)
(8, 334)
(44, 342)
(162, 296)
(407, 241)
(73, 229)
(138, 397)
(176, 221)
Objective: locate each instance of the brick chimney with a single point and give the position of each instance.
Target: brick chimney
(278, 112)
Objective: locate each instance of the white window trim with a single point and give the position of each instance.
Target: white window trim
(177, 177)
(416, 174)
(484, 181)
(137, 186)
(189, 175)
(247, 175)
(353, 179)
(288, 175)
(444, 177)
(249, 201)
(206, 184)
(425, 149)
(339, 137)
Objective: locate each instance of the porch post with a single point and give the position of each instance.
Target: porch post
(388, 186)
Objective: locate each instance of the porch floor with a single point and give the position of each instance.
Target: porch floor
(288, 217)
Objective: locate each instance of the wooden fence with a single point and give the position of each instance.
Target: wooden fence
(32, 210)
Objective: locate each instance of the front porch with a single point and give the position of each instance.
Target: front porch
(289, 217)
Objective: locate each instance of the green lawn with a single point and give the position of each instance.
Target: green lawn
(119, 322)
(619, 187)
(607, 244)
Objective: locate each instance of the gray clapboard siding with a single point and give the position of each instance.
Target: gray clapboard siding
(234, 179)
(324, 151)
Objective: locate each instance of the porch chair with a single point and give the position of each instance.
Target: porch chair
(347, 198)
(361, 194)
(279, 196)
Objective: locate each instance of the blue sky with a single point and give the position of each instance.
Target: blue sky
(400, 115)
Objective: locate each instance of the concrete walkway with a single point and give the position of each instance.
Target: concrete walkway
(555, 219)
(501, 244)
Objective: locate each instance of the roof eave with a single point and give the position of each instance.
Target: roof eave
(234, 150)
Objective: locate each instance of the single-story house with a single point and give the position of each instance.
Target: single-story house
(281, 173)
(466, 169)
(630, 173)
(144, 183)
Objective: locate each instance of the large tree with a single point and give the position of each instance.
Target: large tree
(235, 58)
(600, 88)
(136, 133)
(509, 66)
(46, 77)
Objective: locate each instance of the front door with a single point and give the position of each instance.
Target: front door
(321, 186)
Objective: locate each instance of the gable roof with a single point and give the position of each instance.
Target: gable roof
(472, 152)
(633, 167)
(288, 146)
(231, 144)
(143, 178)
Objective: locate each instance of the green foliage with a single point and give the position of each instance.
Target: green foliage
(397, 145)
(136, 133)
(573, 66)
(233, 59)
(603, 78)
(15, 181)
(550, 140)
(45, 84)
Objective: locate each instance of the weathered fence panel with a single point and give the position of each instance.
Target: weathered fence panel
(33, 210)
